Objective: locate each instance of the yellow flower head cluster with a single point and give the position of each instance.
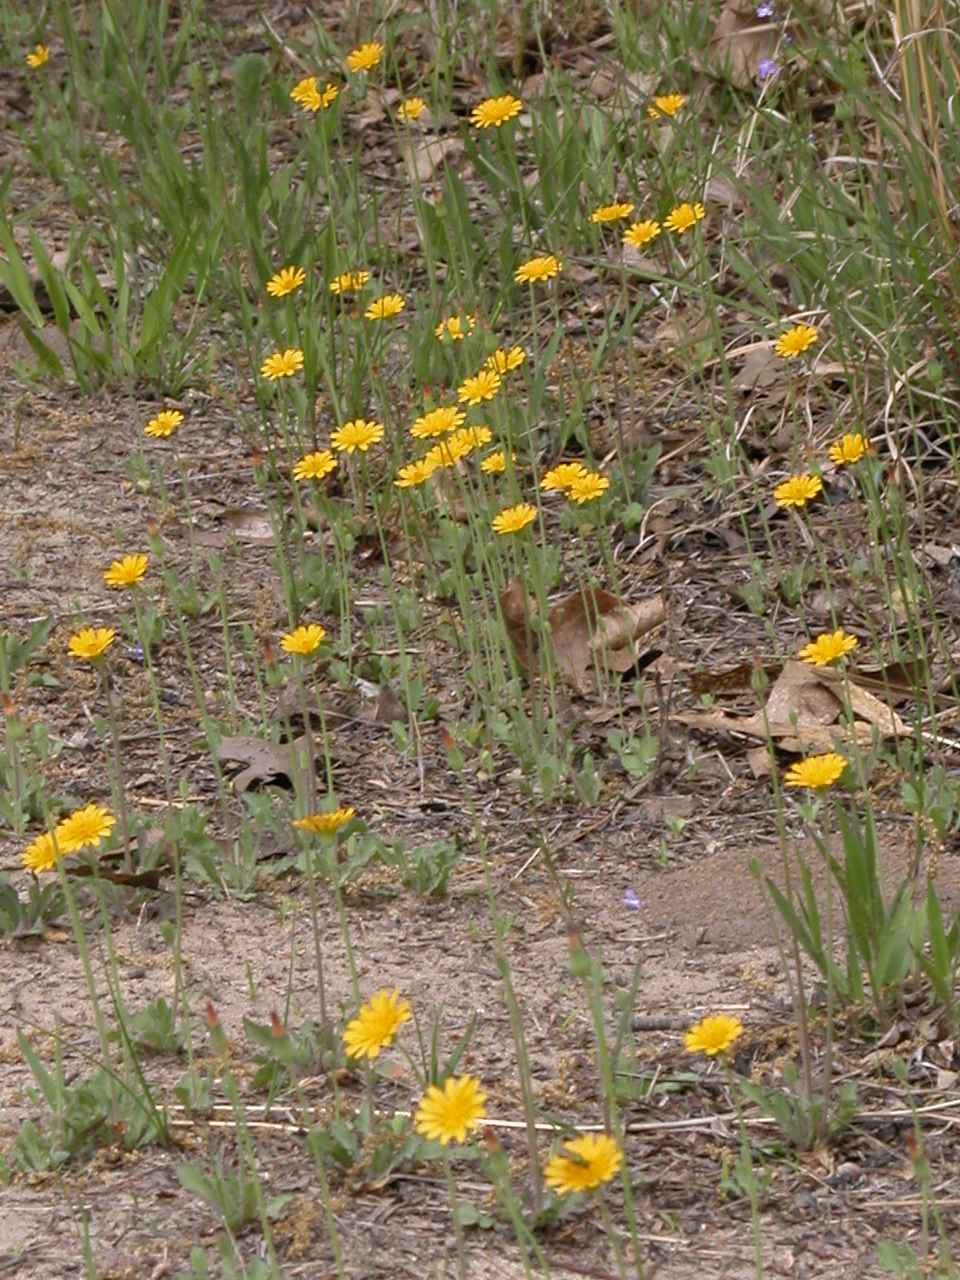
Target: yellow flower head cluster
(83, 829)
(411, 110)
(164, 424)
(795, 341)
(289, 280)
(591, 1160)
(611, 212)
(437, 422)
(797, 491)
(448, 1114)
(314, 466)
(502, 361)
(385, 308)
(815, 772)
(38, 57)
(349, 282)
(307, 94)
(356, 436)
(482, 386)
(282, 364)
(303, 641)
(668, 105)
(683, 217)
(454, 329)
(126, 572)
(91, 642)
(538, 269)
(415, 474)
(375, 1025)
(325, 824)
(828, 648)
(640, 233)
(849, 448)
(713, 1035)
(494, 112)
(364, 58)
(513, 519)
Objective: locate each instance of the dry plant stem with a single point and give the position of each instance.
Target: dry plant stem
(333, 872)
(121, 800)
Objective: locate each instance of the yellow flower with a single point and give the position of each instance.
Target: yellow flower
(437, 422)
(450, 1113)
(562, 476)
(683, 217)
(375, 1025)
(513, 519)
(849, 448)
(827, 648)
(453, 329)
(306, 95)
(314, 466)
(349, 281)
(494, 464)
(505, 361)
(447, 453)
(464, 441)
(91, 642)
(640, 233)
(286, 281)
(482, 386)
(87, 826)
(795, 341)
(39, 57)
(391, 304)
(668, 105)
(412, 109)
(364, 58)
(164, 424)
(611, 212)
(282, 364)
(126, 572)
(797, 491)
(586, 487)
(713, 1035)
(303, 641)
(329, 96)
(538, 269)
(495, 111)
(593, 1159)
(42, 854)
(325, 824)
(815, 772)
(356, 435)
(414, 474)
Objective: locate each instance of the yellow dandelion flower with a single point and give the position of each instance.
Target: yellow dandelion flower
(828, 648)
(414, 474)
(513, 519)
(713, 1035)
(375, 1025)
(592, 1160)
(437, 422)
(304, 90)
(454, 329)
(364, 58)
(538, 269)
(494, 112)
(505, 361)
(90, 642)
(303, 641)
(282, 364)
(494, 464)
(42, 853)
(795, 341)
(815, 772)
(38, 57)
(412, 109)
(464, 441)
(286, 281)
(482, 386)
(391, 304)
(126, 572)
(797, 491)
(307, 95)
(640, 233)
(849, 448)
(612, 212)
(683, 217)
(85, 828)
(314, 466)
(349, 282)
(563, 476)
(450, 1113)
(356, 436)
(668, 105)
(326, 824)
(586, 487)
(164, 424)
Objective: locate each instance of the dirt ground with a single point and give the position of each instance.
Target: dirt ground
(657, 875)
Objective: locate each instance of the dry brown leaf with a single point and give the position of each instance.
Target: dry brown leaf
(266, 761)
(740, 42)
(798, 693)
(594, 629)
(425, 157)
(517, 609)
(762, 368)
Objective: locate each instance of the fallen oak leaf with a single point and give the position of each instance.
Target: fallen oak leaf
(266, 761)
(592, 630)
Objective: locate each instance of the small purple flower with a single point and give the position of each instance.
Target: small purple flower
(631, 901)
(765, 10)
(767, 69)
